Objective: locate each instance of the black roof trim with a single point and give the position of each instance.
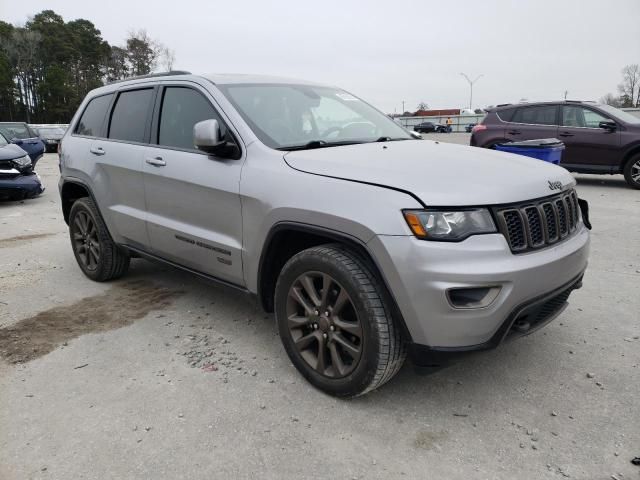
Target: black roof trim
(152, 75)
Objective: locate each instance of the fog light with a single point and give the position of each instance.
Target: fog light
(474, 297)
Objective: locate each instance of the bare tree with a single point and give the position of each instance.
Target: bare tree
(422, 106)
(630, 87)
(167, 58)
(142, 53)
(611, 99)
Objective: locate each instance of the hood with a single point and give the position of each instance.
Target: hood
(11, 151)
(440, 174)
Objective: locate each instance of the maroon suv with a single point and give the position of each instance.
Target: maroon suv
(598, 138)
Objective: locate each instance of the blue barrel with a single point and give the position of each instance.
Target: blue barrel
(545, 149)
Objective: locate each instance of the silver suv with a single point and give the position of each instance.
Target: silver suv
(367, 243)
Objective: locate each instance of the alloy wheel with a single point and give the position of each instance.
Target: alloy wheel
(635, 172)
(324, 325)
(85, 239)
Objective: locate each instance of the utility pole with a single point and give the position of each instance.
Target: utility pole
(566, 92)
(403, 110)
(471, 82)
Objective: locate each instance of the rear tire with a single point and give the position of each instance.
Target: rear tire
(335, 322)
(632, 172)
(98, 256)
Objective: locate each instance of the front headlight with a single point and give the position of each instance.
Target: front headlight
(22, 162)
(447, 225)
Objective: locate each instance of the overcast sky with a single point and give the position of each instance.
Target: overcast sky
(387, 51)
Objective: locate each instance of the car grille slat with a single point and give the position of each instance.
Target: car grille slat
(537, 224)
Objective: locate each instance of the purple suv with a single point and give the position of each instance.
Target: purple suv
(598, 138)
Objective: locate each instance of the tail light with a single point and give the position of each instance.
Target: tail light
(478, 128)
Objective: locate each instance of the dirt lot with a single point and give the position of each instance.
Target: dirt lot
(162, 375)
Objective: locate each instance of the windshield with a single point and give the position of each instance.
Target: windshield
(289, 116)
(51, 131)
(620, 114)
(3, 141)
(15, 131)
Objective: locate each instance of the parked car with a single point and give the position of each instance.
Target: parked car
(50, 136)
(425, 127)
(22, 135)
(17, 178)
(366, 243)
(469, 127)
(598, 138)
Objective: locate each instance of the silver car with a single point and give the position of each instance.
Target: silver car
(368, 244)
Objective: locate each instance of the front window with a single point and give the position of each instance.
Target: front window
(577, 116)
(301, 116)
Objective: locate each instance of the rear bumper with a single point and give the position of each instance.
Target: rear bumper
(21, 186)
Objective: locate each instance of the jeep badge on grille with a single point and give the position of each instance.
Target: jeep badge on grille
(555, 185)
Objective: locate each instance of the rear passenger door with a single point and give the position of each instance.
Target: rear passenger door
(532, 122)
(193, 200)
(118, 177)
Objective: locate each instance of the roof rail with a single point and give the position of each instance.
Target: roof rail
(503, 105)
(152, 75)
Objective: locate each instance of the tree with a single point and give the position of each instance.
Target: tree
(167, 58)
(630, 87)
(422, 106)
(611, 99)
(117, 67)
(142, 53)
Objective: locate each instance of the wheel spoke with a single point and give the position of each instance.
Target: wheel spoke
(336, 360)
(78, 223)
(350, 327)
(296, 321)
(310, 289)
(347, 346)
(341, 301)
(326, 287)
(303, 342)
(296, 294)
(95, 252)
(321, 364)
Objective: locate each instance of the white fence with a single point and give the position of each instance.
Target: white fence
(459, 121)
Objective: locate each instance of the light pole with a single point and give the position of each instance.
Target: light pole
(403, 110)
(471, 82)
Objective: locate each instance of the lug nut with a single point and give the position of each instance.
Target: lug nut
(324, 335)
(326, 314)
(316, 312)
(315, 326)
(332, 328)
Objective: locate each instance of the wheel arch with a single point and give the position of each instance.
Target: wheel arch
(71, 191)
(629, 154)
(286, 239)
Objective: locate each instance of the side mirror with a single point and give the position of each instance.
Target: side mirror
(608, 125)
(17, 141)
(415, 134)
(206, 136)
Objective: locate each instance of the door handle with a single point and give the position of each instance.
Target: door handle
(156, 161)
(514, 132)
(565, 134)
(97, 150)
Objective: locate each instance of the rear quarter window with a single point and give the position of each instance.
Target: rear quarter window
(92, 120)
(505, 115)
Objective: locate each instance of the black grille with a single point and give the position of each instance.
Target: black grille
(540, 223)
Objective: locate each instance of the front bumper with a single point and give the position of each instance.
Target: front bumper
(20, 186)
(419, 274)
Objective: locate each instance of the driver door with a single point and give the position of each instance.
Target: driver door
(193, 201)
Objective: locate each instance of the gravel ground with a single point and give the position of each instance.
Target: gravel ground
(162, 375)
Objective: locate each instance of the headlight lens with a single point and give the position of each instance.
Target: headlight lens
(446, 225)
(22, 162)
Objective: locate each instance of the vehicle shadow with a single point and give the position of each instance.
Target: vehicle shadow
(609, 181)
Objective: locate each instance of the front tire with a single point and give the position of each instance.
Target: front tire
(632, 172)
(98, 256)
(335, 321)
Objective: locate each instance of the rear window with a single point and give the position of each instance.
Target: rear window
(92, 118)
(129, 117)
(17, 130)
(538, 115)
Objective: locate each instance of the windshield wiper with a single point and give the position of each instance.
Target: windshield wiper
(317, 144)
(389, 139)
